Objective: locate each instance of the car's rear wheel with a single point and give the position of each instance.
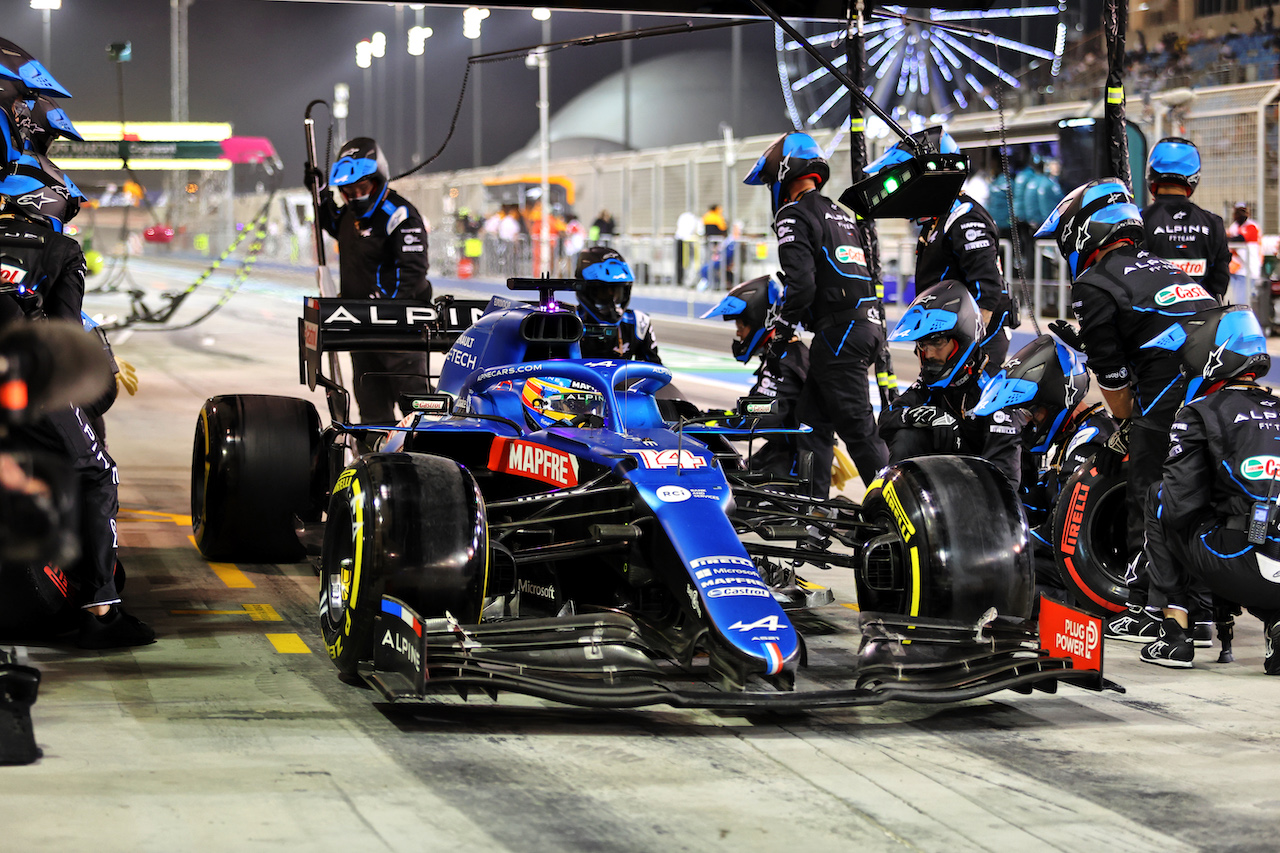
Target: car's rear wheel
(1089, 540)
(956, 542)
(401, 524)
(253, 468)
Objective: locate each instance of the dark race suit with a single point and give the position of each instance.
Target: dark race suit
(382, 254)
(1192, 238)
(826, 287)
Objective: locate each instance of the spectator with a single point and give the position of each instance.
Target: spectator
(603, 228)
(1245, 239)
(688, 230)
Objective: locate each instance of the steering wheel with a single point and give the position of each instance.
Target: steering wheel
(590, 420)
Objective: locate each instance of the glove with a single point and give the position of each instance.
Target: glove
(313, 178)
(1108, 459)
(1068, 333)
(782, 335)
(127, 378)
(943, 424)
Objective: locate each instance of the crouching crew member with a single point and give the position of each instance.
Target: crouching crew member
(1047, 382)
(781, 373)
(1212, 517)
(933, 415)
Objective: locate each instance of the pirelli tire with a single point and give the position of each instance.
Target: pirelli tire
(402, 524)
(255, 464)
(1089, 540)
(956, 542)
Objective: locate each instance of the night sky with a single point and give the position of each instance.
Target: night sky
(256, 64)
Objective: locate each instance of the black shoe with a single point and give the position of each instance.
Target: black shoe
(1134, 625)
(1271, 657)
(117, 629)
(1202, 635)
(1173, 647)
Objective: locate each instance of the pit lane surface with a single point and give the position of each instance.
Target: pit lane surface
(233, 733)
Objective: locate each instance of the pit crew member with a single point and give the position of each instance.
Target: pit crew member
(1047, 382)
(1211, 518)
(44, 275)
(1123, 296)
(610, 328)
(934, 415)
(827, 288)
(1176, 228)
(963, 246)
(382, 254)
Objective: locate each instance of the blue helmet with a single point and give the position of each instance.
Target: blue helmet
(1091, 217)
(1045, 374)
(944, 312)
(17, 64)
(604, 283)
(1174, 160)
(1216, 345)
(40, 191)
(751, 302)
(358, 159)
(944, 142)
(791, 156)
(50, 122)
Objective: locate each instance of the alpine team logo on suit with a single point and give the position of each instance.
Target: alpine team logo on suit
(1181, 293)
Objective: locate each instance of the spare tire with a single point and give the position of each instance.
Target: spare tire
(1089, 539)
(946, 562)
(254, 467)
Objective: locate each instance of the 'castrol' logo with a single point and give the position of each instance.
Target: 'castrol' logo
(1260, 468)
(1180, 293)
(851, 255)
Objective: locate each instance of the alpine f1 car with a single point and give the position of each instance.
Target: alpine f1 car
(541, 525)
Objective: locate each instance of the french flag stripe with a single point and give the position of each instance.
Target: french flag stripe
(404, 613)
(774, 656)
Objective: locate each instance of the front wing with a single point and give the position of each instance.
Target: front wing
(602, 660)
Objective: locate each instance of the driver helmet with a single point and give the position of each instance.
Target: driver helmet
(1046, 378)
(359, 159)
(552, 401)
(1217, 345)
(39, 190)
(751, 305)
(946, 326)
(1090, 218)
(790, 157)
(1174, 160)
(604, 284)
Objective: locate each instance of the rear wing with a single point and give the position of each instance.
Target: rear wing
(378, 325)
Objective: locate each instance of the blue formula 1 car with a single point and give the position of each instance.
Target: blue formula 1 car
(547, 525)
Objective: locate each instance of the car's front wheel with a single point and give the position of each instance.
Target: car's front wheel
(401, 524)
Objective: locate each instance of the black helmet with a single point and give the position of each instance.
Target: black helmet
(50, 121)
(791, 156)
(16, 64)
(1091, 217)
(39, 190)
(752, 302)
(359, 159)
(1217, 344)
(604, 286)
(1174, 160)
(1047, 374)
(945, 311)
